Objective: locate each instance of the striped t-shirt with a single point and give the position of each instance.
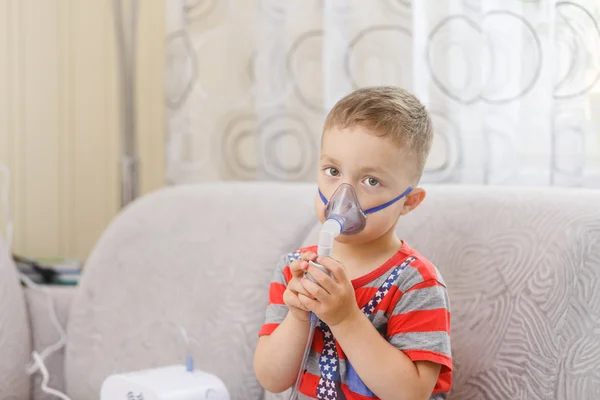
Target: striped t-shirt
(407, 302)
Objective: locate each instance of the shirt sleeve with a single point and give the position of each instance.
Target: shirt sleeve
(276, 309)
(420, 324)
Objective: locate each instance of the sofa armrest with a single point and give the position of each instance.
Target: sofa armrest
(45, 334)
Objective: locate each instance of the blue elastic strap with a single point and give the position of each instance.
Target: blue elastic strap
(374, 209)
(322, 197)
(389, 203)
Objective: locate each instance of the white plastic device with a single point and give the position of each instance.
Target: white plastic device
(167, 383)
(330, 229)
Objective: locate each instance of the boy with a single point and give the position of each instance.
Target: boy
(384, 314)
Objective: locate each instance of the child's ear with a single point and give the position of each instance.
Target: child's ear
(413, 199)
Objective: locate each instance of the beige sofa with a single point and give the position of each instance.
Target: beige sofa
(522, 266)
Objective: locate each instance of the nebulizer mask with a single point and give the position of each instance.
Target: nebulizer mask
(343, 215)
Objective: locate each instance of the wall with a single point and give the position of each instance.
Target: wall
(59, 118)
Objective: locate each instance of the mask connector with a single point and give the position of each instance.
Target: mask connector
(331, 228)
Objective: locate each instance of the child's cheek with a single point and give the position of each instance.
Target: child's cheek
(379, 223)
(319, 209)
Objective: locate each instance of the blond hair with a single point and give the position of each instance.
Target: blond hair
(387, 111)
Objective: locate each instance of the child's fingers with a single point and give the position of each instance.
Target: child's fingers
(292, 301)
(296, 287)
(298, 266)
(309, 303)
(322, 278)
(316, 291)
(337, 270)
(308, 256)
(298, 304)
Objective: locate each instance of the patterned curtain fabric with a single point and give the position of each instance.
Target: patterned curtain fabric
(512, 85)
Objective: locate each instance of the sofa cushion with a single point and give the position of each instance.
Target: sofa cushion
(197, 256)
(15, 337)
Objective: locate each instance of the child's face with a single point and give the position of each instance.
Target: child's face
(377, 168)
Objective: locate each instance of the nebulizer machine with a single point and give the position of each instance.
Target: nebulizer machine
(343, 215)
(175, 382)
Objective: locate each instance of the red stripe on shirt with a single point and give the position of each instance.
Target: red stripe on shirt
(393, 301)
(267, 329)
(426, 284)
(426, 355)
(444, 383)
(287, 273)
(420, 321)
(308, 385)
(307, 249)
(318, 344)
(426, 269)
(364, 295)
(396, 259)
(276, 293)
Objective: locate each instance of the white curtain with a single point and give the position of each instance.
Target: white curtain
(512, 85)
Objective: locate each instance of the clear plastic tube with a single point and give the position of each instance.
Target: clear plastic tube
(331, 228)
(311, 335)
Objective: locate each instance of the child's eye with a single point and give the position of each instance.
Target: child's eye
(332, 171)
(372, 182)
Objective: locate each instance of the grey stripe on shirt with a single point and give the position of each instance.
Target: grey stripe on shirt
(276, 313)
(430, 298)
(438, 341)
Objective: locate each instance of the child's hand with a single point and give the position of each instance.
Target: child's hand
(294, 287)
(334, 301)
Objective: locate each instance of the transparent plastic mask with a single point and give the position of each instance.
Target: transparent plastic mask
(344, 207)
